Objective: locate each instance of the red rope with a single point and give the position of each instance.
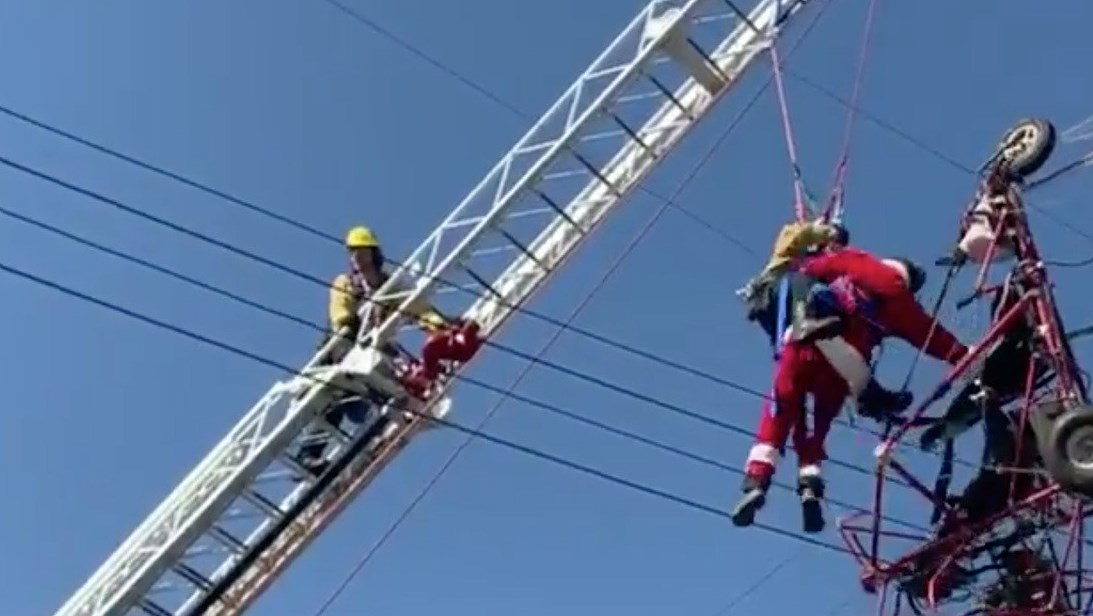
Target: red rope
(787, 129)
(833, 208)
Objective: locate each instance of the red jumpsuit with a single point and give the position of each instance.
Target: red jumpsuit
(802, 371)
(895, 307)
(455, 344)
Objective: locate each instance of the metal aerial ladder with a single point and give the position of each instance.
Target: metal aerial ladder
(246, 511)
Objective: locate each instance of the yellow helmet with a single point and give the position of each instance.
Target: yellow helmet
(361, 237)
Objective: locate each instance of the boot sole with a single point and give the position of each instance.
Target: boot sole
(812, 515)
(744, 513)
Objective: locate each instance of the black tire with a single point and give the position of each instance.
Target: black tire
(1069, 452)
(1027, 145)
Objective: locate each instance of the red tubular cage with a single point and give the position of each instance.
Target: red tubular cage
(1025, 556)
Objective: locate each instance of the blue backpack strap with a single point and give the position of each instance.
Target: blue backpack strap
(782, 321)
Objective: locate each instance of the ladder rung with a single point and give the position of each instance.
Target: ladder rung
(226, 539)
(192, 576)
(261, 502)
(153, 609)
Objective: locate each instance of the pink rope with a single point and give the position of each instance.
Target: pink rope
(787, 129)
(838, 184)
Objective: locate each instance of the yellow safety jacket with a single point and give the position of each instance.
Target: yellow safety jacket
(349, 291)
(793, 241)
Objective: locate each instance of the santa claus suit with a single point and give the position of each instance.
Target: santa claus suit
(890, 304)
(803, 371)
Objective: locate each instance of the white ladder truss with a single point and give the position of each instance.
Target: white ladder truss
(244, 514)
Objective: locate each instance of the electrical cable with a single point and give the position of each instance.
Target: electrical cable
(284, 268)
(750, 590)
(499, 441)
(852, 106)
(252, 304)
(506, 393)
(538, 359)
(683, 368)
(302, 227)
(600, 382)
(389, 532)
(545, 406)
(481, 90)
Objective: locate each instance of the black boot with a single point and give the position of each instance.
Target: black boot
(811, 491)
(755, 496)
(879, 403)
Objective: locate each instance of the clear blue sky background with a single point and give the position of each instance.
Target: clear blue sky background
(292, 105)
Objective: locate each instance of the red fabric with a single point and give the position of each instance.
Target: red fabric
(456, 345)
(802, 370)
(896, 309)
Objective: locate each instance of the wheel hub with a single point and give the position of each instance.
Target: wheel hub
(1079, 448)
(1019, 141)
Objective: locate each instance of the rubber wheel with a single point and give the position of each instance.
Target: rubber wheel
(1027, 146)
(1069, 452)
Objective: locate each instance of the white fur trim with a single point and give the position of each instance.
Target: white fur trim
(809, 471)
(846, 360)
(761, 452)
(900, 269)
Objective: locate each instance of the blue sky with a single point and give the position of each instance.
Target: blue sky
(292, 105)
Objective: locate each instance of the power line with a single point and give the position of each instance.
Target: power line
(299, 225)
(538, 357)
(750, 590)
(287, 269)
(299, 274)
(506, 392)
(161, 171)
(516, 111)
(563, 369)
(500, 441)
(660, 360)
(872, 118)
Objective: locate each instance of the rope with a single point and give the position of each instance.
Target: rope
(834, 208)
(799, 192)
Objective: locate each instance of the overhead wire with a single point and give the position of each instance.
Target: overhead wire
(537, 357)
(304, 276)
(392, 528)
(767, 577)
(485, 436)
(269, 262)
(506, 392)
(228, 197)
(852, 107)
(253, 207)
(296, 319)
(558, 367)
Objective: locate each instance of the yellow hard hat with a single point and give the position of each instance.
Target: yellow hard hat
(361, 237)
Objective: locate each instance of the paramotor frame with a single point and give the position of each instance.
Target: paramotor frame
(1011, 544)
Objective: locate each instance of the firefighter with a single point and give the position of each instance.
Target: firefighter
(350, 293)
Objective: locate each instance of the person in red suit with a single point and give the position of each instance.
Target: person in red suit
(888, 288)
(873, 298)
(802, 371)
